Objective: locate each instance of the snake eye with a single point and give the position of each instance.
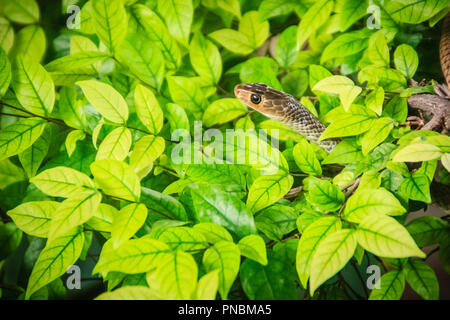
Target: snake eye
(255, 98)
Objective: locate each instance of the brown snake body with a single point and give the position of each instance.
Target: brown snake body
(286, 109)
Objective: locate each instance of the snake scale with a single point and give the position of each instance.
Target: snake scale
(286, 109)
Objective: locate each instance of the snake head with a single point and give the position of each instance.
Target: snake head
(262, 98)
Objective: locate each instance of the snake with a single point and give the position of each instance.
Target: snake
(284, 108)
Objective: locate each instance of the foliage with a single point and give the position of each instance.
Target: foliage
(89, 122)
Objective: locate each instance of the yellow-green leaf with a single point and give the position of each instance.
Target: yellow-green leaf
(331, 256)
(34, 217)
(253, 247)
(54, 259)
(116, 145)
(20, 136)
(62, 182)
(268, 189)
(33, 86)
(385, 237)
(117, 179)
(148, 109)
(106, 100)
(126, 222)
(73, 212)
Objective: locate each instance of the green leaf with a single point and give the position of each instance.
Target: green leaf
(385, 237)
(296, 84)
(32, 158)
(177, 117)
(76, 63)
(428, 230)
(10, 173)
(232, 40)
(34, 217)
(416, 187)
(178, 15)
(151, 25)
(58, 255)
(375, 99)
(313, 235)
(313, 19)
(6, 34)
(275, 281)
(175, 278)
(62, 182)
(222, 111)
(225, 257)
(417, 152)
(102, 218)
(129, 293)
(73, 212)
(144, 60)
(116, 179)
(371, 202)
(317, 73)
(187, 94)
(33, 86)
(182, 238)
(106, 100)
(132, 257)
(306, 158)
(207, 286)
(254, 28)
(70, 109)
(346, 151)
(351, 11)
(345, 45)
(148, 109)
(377, 134)
(162, 206)
(10, 239)
(20, 136)
(389, 79)
(145, 151)
(396, 109)
(422, 279)
(391, 286)
(5, 72)
(331, 255)
(212, 232)
(324, 195)
(211, 204)
(116, 145)
(23, 12)
(206, 59)
(406, 60)
(71, 140)
(253, 247)
(30, 42)
(231, 6)
(126, 222)
(351, 123)
(268, 189)
(273, 8)
(378, 51)
(340, 85)
(414, 12)
(110, 22)
(286, 51)
(260, 69)
(276, 221)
